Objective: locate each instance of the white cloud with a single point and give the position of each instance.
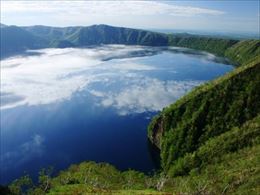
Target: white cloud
(103, 8)
(135, 14)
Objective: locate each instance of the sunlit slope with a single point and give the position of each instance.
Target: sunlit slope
(244, 51)
(207, 111)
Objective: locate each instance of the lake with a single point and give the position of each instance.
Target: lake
(64, 106)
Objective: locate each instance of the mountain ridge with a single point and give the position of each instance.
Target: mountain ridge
(82, 36)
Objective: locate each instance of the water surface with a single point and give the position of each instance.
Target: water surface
(64, 106)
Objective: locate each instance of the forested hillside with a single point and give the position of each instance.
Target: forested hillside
(207, 111)
(217, 46)
(215, 124)
(97, 34)
(244, 51)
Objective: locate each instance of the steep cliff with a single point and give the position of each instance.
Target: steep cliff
(208, 111)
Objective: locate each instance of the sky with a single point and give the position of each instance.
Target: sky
(218, 15)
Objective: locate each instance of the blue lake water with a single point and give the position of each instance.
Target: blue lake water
(64, 106)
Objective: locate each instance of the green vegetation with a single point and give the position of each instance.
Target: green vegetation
(213, 150)
(184, 126)
(244, 51)
(217, 46)
(87, 177)
(207, 111)
(234, 173)
(211, 136)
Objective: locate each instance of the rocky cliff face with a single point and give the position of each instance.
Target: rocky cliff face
(157, 132)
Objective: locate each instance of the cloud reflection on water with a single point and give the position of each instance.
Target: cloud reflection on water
(23, 153)
(56, 74)
(146, 95)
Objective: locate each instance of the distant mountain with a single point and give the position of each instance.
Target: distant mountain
(2, 25)
(52, 34)
(18, 39)
(15, 39)
(97, 34)
(213, 34)
(103, 34)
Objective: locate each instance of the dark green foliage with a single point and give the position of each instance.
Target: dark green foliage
(87, 177)
(213, 45)
(208, 111)
(213, 150)
(235, 173)
(18, 186)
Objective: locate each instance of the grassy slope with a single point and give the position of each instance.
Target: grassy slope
(244, 51)
(235, 173)
(207, 111)
(211, 152)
